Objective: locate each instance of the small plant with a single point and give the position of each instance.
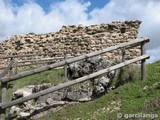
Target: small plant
(152, 105)
(127, 74)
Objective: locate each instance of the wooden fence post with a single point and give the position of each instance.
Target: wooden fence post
(3, 100)
(123, 54)
(65, 66)
(11, 72)
(4, 90)
(123, 58)
(120, 80)
(143, 62)
(15, 68)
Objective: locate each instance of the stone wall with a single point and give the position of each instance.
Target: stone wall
(75, 40)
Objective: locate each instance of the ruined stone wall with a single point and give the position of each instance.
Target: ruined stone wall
(75, 40)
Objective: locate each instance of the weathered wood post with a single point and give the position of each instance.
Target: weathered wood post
(123, 54)
(123, 59)
(4, 90)
(65, 66)
(15, 68)
(143, 62)
(3, 100)
(11, 72)
(120, 80)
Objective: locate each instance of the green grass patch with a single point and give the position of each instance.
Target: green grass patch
(52, 76)
(134, 97)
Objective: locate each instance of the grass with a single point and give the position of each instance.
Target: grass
(52, 76)
(132, 96)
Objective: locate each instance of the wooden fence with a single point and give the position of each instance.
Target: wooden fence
(4, 80)
(31, 62)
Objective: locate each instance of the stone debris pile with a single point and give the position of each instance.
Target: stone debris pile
(83, 92)
(87, 66)
(54, 101)
(90, 65)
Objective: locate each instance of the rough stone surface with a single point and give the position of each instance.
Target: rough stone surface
(87, 66)
(74, 40)
(84, 92)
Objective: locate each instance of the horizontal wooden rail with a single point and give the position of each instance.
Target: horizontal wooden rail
(44, 59)
(29, 64)
(27, 55)
(71, 60)
(35, 64)
(70, 83)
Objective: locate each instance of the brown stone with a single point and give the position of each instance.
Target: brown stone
(74, 39)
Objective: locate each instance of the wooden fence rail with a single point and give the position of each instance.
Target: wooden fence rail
(17, 56)
(44, 59)
(71, 60)
(70, 83)
(123, 47)
(38, 61)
